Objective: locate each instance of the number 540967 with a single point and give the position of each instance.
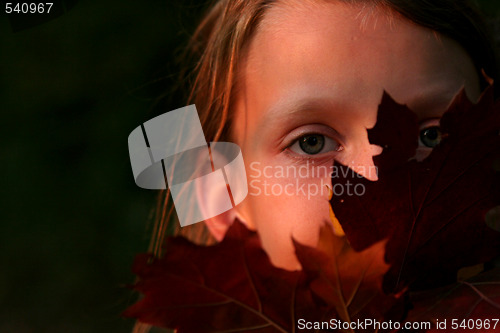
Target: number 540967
(26, 8)
(474, 324)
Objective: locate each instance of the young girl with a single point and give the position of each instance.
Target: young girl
(297, 83)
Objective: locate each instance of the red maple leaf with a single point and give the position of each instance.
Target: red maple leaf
(228, 286)
(232, 286)
(433, 211)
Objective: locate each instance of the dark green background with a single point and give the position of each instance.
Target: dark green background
(71, 91)
(72, 219)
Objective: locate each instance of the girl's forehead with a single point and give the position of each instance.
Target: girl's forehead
(333, 50)
(343, 56)
(336, 32)
(298, 16)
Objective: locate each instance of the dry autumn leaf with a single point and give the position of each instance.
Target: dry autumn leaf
(232, 286)
(350, 282)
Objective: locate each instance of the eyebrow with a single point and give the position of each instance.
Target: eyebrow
(313, 109)
(292, 108)
(430, 103)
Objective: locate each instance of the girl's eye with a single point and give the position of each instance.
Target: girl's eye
(313, 144)
(430, 134)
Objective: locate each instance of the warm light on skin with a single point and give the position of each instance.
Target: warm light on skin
(323, 68)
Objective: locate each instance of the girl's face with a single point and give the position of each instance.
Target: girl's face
(308, 89)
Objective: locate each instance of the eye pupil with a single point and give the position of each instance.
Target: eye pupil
(432, 134)
(430, 137)
(312, 144)
(312, 140)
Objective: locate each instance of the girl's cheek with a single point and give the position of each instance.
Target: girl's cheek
(305, 181)
(286, 201)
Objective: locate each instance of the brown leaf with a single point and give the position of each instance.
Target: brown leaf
(228, 287)
(348, 281)
(233, 287)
